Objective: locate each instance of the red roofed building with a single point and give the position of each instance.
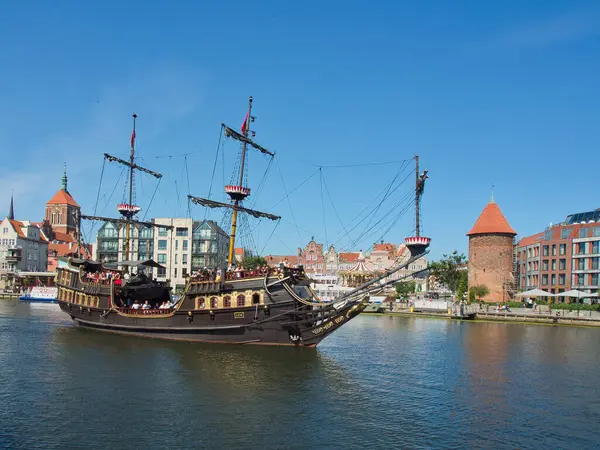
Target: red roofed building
(61, 224)
(62, 211)
(275, 260)
(491, 253)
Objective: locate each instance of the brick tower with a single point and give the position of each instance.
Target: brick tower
(62, 211)
(491, 252)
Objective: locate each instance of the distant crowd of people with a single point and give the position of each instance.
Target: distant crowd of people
(146, 305)
(234, 272)
(102, 277)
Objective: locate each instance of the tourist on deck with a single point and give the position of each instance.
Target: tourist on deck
(136, 305)
(163, 305)
(146, 305)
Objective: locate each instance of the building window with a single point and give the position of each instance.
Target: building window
(582, 248)
(596, 247)
(544, 280)
(162, 258)
(176, 245)
(162, 244)
(596, 231)
(553, 280)
(162, 232)
(581, 280)
(581, 264)
(162, 272)
(564, 233)
(181, 232)
(184, 258)
(595, 263)
(175, 272)
(176, 255)
(227, 301)
(241, 300)
(561, 279)
(563, 249)
(553, 249)
(184, 272)
(185, 245)
(594, 279)
(546, 251)
(583, 232)
(545, 264)
(553, 264)
(562, 264)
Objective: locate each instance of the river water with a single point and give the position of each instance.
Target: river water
(378, 382)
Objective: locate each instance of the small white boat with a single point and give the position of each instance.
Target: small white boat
(41, 294)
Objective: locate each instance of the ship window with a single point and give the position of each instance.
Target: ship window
(214, 302)
(227, 301)
(255, 299)
(200, 303)
(241, 300)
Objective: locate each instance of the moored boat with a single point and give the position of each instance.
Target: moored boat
(40, 294)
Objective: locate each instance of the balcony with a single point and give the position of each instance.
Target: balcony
(13, 255)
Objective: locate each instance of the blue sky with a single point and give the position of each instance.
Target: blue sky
(502, 93)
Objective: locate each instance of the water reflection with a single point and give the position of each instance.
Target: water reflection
(378, 382)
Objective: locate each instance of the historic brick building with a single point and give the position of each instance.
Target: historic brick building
(491, 253)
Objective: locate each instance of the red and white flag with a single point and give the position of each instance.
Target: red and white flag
(132, 138)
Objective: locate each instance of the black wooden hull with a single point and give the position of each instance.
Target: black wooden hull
(280, 331)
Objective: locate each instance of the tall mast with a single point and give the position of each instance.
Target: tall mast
(417, 197)
(239, 197)
(131, 167)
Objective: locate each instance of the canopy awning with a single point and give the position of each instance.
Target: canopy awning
(534, 293)
(146, 263)
(576, 294)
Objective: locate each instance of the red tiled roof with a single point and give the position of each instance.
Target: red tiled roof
(491, 220)
(62, 198)
(273, 260)
(349, 257)
(17, 226)
(63, 237)
(238, 251)
(529, 240)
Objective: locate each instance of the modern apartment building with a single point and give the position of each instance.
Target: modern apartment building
(189, 245)
(564, 256)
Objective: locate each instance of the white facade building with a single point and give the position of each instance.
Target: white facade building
(189, 245)
(23, 247)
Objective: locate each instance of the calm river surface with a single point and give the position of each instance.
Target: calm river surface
(378, 382)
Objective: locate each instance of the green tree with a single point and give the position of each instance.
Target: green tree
(471, 296)
(462, 287)
(252, 262)
(480, 290)
(404, 288)
(450, 270)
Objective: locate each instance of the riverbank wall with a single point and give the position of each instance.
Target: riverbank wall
(546, 316)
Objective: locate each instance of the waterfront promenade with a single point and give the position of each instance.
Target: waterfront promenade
(542, 314)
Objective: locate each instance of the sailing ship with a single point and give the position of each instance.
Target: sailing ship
(266, 306)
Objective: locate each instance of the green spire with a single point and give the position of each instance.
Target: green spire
(64, 179)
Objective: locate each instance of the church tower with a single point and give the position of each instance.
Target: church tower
(491, 252)
(62, 211)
